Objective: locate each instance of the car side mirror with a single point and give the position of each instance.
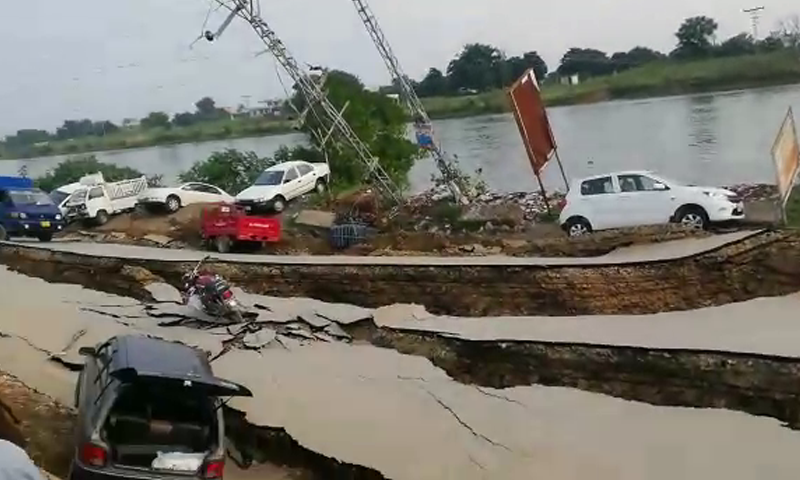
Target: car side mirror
(660, 187)
(87, 351)
(287, 180)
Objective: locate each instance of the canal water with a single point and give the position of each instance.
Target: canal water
(715, 139)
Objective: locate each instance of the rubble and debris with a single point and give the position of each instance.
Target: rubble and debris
(315, 218)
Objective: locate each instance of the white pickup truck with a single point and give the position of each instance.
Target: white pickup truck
(98, 200)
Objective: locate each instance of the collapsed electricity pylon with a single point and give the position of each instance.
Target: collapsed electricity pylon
(249, 10)
(422, 122)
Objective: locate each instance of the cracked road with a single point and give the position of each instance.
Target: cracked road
(397, 413)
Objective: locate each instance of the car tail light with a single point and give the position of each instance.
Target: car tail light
(214, 469)
(227, 294)
(93, 455)
(562, 204)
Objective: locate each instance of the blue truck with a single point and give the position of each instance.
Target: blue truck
(26, 211)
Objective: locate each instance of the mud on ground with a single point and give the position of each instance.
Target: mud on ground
(47, 425)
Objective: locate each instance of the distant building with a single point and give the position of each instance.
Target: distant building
(266, 108)
(570, 79)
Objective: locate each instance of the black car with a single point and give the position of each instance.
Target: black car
(145, 403)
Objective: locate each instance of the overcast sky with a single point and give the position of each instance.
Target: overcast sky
(112, 59)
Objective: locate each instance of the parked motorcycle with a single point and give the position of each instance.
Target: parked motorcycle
(214, 293)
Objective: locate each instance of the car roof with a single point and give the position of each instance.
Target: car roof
(156, 356)
(621, 172)
(285, 165)
(137, 356)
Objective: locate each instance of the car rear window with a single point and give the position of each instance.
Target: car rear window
(597, 186)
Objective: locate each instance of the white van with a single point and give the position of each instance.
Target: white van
(97, 200)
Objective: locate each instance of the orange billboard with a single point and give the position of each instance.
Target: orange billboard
(786, 156)
(532, 121)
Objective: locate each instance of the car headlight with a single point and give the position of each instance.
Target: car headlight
(58, 216)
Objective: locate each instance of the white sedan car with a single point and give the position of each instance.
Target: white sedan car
(630, 199)
(282, 183)
(173, 198)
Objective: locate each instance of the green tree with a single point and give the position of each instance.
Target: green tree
(478, 67)
(516, 66)
(207, 109)
(72, 169)
(155, 120)
(377, 120)
(695, 37)
(742, 44)
(635, 57)
(434, 84)
(586, 62)
(231, 170)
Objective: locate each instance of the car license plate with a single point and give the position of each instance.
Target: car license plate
(45, 224)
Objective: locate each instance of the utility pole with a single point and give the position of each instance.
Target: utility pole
(755, 16)
(319, 105)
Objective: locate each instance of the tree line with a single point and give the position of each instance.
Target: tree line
(206, 110)
(480, 67)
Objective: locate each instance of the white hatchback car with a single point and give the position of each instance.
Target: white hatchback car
(282, 183)
(635, 198)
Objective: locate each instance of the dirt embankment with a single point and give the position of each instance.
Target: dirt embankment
(182, 230)
(46, 425)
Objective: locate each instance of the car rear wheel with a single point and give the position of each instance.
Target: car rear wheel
(693, 217)
(101, 218)
(279, 204)
(577, 227)
(223, 244)
(173, 204)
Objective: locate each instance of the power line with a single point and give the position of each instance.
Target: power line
(755, 16)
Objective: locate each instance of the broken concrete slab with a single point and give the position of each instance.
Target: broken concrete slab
(162, 240)
(337, 332)
(315, 218)
(259, 339)
(399, 314)
(313, 319)
(294, 307)
(164, 293)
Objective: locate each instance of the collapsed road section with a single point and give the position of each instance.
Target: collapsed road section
(676, 275)
(326, 398)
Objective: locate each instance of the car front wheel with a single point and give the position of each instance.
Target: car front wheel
(279, 204)
(577, 227)
(693, 217)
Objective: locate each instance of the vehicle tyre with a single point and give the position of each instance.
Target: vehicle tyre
(279, 204)
(223, 244)
(3, 233)
(693, 217)
(577, 227)
(45, 237)
(173, 203)
(101, 218)
(321, 187)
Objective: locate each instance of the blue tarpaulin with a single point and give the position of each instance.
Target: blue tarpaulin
(15, 182)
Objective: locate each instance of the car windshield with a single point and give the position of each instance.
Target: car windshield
(270, 177)
(58, 196)
(29, 197)
(78, 196)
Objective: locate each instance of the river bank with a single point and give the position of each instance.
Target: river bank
(659, 79)
(662, 79)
